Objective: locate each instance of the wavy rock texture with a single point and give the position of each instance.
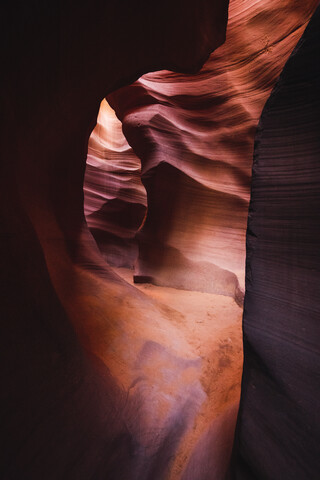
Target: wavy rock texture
(279, 426)
(82, 350)
(102, 379)
(194, 136)
(115, 202)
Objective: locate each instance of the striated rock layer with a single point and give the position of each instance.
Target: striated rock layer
(101, 379)
(115, 201)
(67, 408)
(194, 135)
(278, 432)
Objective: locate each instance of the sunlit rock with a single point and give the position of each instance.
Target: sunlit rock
(194, 136)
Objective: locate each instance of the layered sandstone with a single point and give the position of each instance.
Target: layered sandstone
(194, 135)
(65, 413)
(278, 431)
(102, 379)
(115, 202)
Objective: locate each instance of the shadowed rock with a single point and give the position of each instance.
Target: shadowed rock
(278, 430)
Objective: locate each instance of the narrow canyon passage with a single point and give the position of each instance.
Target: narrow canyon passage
(181, 359)
(159, 243)
(169, 213)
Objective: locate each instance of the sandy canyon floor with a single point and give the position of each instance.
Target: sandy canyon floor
(190, 361)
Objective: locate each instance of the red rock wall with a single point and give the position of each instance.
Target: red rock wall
(278, 431)
(99, 379)
(115, 202)
(194, 135)
(64, 413)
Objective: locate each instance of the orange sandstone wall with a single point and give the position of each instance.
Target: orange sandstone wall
(194, 135)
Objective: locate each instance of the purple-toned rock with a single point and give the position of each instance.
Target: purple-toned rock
(278, 432)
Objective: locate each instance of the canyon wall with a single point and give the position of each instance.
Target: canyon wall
(64, 413)
(102, 379)
(194, 136)
(115, 201)
(279, 425)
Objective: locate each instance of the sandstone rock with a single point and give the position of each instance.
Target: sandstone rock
(194, 135)
(278, 426)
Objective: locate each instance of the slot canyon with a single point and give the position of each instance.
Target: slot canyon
(160, 240)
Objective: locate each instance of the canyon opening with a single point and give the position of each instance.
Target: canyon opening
(160, 237)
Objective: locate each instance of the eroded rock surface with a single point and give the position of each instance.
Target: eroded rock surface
(279, 425)
(194, 135)
(64, 413)
(115, 202)
(82, 349)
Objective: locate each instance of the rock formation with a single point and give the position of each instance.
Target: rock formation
(115, 202)
(64, 412)
(104, 379)
(278, 431)
(194, 135)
